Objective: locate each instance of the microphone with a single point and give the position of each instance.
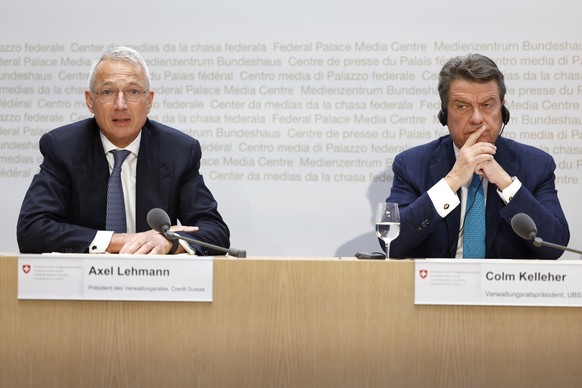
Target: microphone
(159, 221)
(525, 227)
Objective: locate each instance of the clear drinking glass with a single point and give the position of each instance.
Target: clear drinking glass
(387, 223)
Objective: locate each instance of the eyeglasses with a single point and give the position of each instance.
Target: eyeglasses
(110, 95)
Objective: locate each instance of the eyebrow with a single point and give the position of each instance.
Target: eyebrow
(466, 101)
(111, 83)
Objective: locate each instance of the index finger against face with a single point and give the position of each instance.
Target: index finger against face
(471, 140)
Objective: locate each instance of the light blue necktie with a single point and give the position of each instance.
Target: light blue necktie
(115, 220)
(474, 231)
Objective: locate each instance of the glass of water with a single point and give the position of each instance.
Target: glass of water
(387, 223)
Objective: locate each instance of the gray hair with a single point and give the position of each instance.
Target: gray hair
(121, 53)
(472, 67)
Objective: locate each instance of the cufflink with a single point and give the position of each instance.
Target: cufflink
(446, 207)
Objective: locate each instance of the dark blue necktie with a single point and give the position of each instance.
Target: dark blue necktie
(474, 231)
(115, 220)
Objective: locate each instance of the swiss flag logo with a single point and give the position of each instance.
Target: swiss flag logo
(423, 273)
(26, 268)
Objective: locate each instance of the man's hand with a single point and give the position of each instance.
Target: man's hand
(145, 243)
(473, 158)
(495, 174)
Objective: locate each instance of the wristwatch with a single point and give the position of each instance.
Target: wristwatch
(175, 245)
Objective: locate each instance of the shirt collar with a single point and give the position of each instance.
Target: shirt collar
(133, 147)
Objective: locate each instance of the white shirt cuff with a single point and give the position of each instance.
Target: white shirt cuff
(186, 246)
(443, 198)
(510, 191)
(101, 241)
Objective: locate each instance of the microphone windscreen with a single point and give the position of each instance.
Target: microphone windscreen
(524, 226)
(158, 220)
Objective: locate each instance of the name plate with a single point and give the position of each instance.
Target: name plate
(180, 278)
(498, 282)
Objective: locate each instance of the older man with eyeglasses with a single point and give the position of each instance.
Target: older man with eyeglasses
(100, 176)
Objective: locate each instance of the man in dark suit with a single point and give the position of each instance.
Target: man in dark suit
(64, 209)
(431, 180)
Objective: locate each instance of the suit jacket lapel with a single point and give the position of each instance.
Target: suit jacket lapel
(92, 174)
(154, 177)
(506, 159)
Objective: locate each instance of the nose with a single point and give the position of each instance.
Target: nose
(476, 116)
(120, 102)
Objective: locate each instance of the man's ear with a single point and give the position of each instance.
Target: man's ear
(89, 100)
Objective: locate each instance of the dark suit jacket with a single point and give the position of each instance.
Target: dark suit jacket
(423, 233)
(66, 202)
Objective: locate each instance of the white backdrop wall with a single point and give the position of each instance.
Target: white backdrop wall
(300, 106)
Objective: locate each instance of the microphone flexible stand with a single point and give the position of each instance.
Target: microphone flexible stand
(229, 251)
(538, 242)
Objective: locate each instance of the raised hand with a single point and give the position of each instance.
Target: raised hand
(472, 158)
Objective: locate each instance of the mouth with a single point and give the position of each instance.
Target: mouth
(472, 131)
(121, 120)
